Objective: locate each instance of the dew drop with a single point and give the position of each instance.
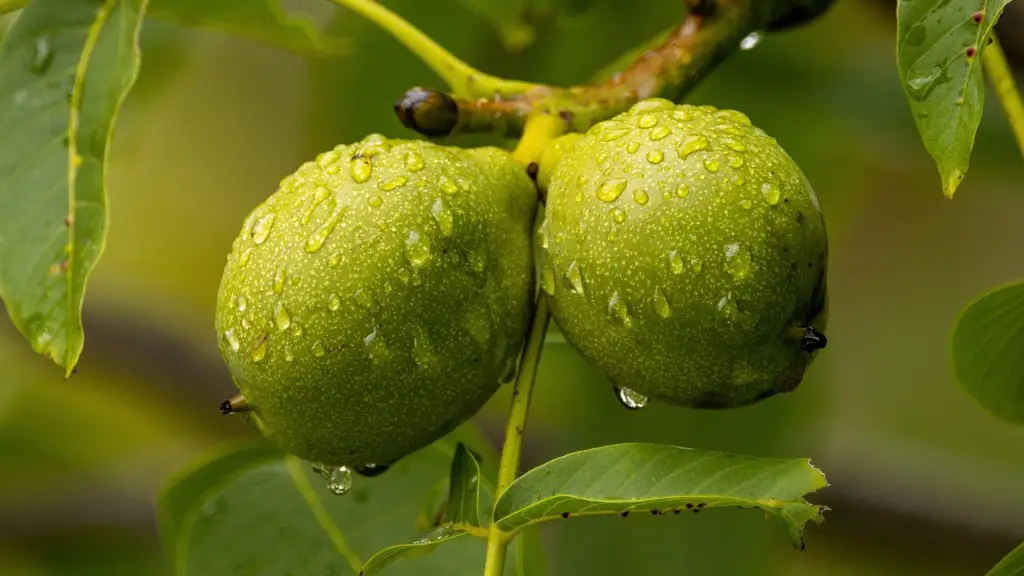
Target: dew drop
(618, 309)
(640, 197)
(683, 114)
(651, 105)
(683, 191)
(738, 180)
(613, 135)
(735, 162)
(334, 259)
(647, 121)
(289, 356)
(712, 164)
(375, 346)
(630, 399)
(375, 201)
(333, 303)
(417, 249)
(447, 186)
(696, 264)
(360, 169)
(232, 339)
(318, 349)
(618, 214)
(243, 303)
(655, 156)
(326, 159)
(320, 195)
(737, 261)
(611, 190)
(750, 41)
(363, 298)
(735, 116)
(259, 352)
(279, 280)
(339, 482)
(392, 183)
(727, 306)
(443, 216)
(632, 147)
(316, 241)
(575, 277)
(659, 133)
(734, 145)
(413, 162)
(771, 193)
(42, 58)
(543, 233)
(691, 145)
(746, 204)
(422, 351)
(675, 262)
(261, 229)
(547, 278)
(296, 330)
(661, 306)
(282, 319)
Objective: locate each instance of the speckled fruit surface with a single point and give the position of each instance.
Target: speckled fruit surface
(685, 256)
(376, 300)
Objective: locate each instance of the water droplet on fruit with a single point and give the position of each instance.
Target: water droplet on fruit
(289, 356)
(318, 349)
(261, 229)
(443, 215)
(375, 346)
(651, 105)
(243, 303)
(771, 193)
(750, 41)
(279, 278)
(618, 214)
(363, 298)
(661, 306)
(392, 183)
(735, 162)
(42, 58)
(691, 145)
(647, 121)
(542, 231)
(417, 249)
(619, 310)
(727, 306)
(613, 135)
(735, 116)
(630, 399)
(696, 264)
(320, 194)
(683, 191)
(737, 261)
(316, 241)
(611, 190)
(675, 262)
(547, 278)
(712, 164)
(746, 204)
(447, 186)
(244, 258)
(640, 197)
(422, 352)
(334, 259)
(259, 352)
(659, 133)
(375, 201)
(361, 168)
(232, 339)
(413, 162)
(326, 159)
(655, 156)
(478, 259)
(632, 147)
(333, 303)
(281, 317)
(340, 481)
(734, 145)
(575, 277)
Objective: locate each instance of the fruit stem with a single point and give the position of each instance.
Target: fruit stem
(522, 392)
(1001, 76)
(539, 131)
(463, 80)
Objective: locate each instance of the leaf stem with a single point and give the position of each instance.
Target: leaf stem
(522, 392)
(463, 80)
(1001, 76)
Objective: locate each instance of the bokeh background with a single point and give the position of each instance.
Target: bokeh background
(923, 481)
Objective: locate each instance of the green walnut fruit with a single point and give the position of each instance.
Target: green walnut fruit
(685, 257)
(378, 298)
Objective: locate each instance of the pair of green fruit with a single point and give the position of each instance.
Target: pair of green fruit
(379, 297)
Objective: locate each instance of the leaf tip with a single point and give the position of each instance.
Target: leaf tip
(951, 181)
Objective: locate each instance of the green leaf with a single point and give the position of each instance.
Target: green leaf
(1011, 565)
(247, 511)
(424, 545)
(939, 49)
(464, 490)
(506, 16)
(625, 478)
(65, 68)
(988, 351)
(264, 21)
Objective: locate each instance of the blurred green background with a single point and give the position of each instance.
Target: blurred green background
(923, 481)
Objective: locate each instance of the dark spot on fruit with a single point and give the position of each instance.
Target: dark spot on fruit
(786, 199)
(624, 513)
(689, 506)
(565, 514)
(977, 16)
(813, 340)
(971, 51)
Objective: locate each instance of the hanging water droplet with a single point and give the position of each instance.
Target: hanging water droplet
(675, 262)
(447, 186)
(611, 190)
(640, 197)
(771, 193)
(750, 41)
(361, 168)
(443, 216)
(392, 183)
(260, 351)
(42, 58)
(232, 339)
(691, 145)
(261, 228)
(243, 303)
(655, 156)
(318, 349)
(417, 249)
(333, 303)
(618, 309)
(661, 306)
(375, 201)
(279, 279)
(630, 399)
(547, 276)
(282, 319)
(575, 277)
(413, 162)
(737, 261)
(340, 480)
(712, 164)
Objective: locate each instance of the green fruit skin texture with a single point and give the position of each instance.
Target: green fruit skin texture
(378, 298)
(684, 253)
